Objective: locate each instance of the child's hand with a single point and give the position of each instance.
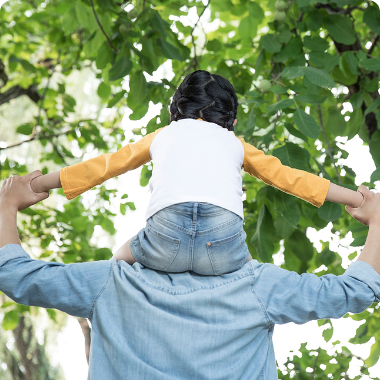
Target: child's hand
(44, 183)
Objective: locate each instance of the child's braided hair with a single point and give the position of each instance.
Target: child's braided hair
(205, 96)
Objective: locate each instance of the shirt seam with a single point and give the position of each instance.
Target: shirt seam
(270, 323)
(151, 143)
(100, 293)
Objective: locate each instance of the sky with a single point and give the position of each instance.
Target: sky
(70, 342)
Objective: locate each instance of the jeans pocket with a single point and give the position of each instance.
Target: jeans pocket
(228, 254)
(158, 249)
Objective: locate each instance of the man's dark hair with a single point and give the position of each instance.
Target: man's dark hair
(205, 96)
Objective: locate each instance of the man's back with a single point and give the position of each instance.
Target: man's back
(154, 325)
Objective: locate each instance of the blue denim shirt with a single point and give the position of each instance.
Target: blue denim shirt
(156, 325)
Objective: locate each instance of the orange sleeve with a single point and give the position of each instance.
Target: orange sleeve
(78, 178)
(270, 170)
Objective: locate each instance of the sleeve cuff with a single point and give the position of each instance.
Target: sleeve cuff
(10, 252)
(364, 272)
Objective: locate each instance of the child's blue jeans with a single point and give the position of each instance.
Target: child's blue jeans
(198, 237)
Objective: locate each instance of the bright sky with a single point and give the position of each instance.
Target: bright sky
(70, 342)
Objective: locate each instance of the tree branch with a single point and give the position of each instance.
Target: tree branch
(195, 61)
(315, 364)
(373, 42)
(327, 143)
(86, 329)
(55, 147)
(16, 91)
(39, 136)
(101, 27)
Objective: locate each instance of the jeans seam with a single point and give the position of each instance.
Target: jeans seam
(220, 227)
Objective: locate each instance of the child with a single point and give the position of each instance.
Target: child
(195, 215)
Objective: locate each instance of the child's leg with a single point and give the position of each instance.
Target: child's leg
(125, 253)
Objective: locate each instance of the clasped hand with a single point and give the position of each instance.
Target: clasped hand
(17, 194)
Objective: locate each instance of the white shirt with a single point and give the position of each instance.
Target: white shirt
(196, 161)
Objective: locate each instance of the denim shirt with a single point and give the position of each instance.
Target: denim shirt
(156, 325)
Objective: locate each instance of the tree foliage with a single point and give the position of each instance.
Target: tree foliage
(306, 73)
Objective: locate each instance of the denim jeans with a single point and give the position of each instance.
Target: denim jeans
(198, 237)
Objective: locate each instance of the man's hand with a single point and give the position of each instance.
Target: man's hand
(17, 194)
(369, 211)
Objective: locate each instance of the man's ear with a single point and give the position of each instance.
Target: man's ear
(235, 122)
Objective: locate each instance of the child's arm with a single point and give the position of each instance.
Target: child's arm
(78, 178)
(45, 183)
(299, 183)
(339, 194)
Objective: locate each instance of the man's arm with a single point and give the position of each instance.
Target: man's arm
(70, 288)
(289, 297)
(369, 214)
(15, 195)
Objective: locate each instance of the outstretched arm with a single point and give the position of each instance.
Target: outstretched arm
(299, 183)
(78, 178)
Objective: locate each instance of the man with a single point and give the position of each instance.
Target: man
(155, 325)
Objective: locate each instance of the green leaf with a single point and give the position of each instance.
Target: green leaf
(287, 207)
(104, 56)
(251, 122)
(108, 226)
(120, 69)
(374, 354)
(371, 64)
(375, 176)
(168, 50)
(270, 43)
(116, 98)
(263, 237)
(28, 66)
(138, 90)
(145, 176)
(248, 29)
(310, 98)
(353, 125)
(327, 257)
(300, 245)
(340, 28)
(337, 126)
(371, 17)
(291, 155)
(296, 132)
(306, 124)
(124, 196)
(328, 333)
(314, 20)
(357, 100)
(315, 43)
(319, 77)
(104, 91)
(374, 147)
(10, 320)
(330, 211)
(293, 72)
(68, 102)
(25, 129)
(280, 105)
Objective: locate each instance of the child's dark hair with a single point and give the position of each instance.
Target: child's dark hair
(205, 96)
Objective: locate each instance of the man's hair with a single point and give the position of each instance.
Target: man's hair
(205, 96)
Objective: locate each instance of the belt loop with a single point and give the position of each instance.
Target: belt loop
(195, 212)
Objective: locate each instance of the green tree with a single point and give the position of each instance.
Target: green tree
(305, 72)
